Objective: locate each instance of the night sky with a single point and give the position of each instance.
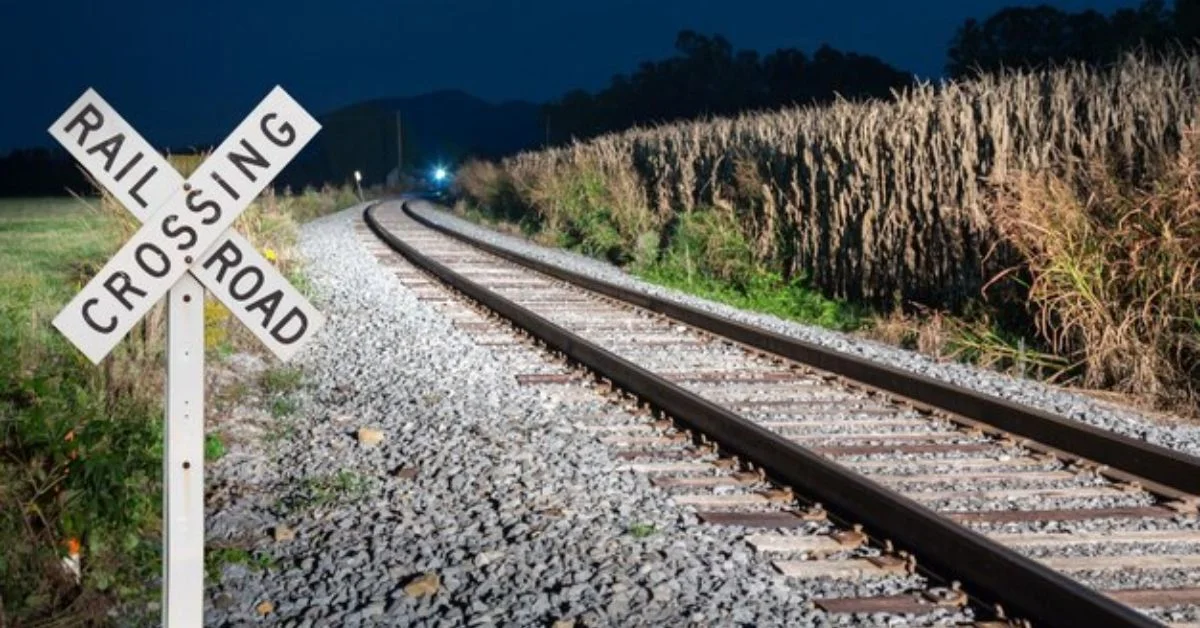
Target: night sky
(188, 71)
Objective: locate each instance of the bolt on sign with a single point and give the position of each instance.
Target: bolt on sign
(184, 246)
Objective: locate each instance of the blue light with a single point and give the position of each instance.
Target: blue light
(439, 174)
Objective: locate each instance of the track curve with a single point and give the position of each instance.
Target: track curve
(738, 399)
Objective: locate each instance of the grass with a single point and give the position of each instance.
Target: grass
(342, 487)
(767, 293)
(283, 407)
(642, 530)
(80, 446)
(229, 396)
(282, 430)
(280, 379)
(276, 382)
(217, 558)
(708, 257)
(1116, 270)
(214, 448)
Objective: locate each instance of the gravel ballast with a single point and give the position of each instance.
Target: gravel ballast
(482, 503)
(1172, 434)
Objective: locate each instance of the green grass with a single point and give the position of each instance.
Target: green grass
(706, 255)
(276, 382)
(324, 490)
(217, 558)
(280, 380)
(80, 446)
(282, 407)
(45, 236)
(766, 292)
(343, 485)
(300, 281)
(642, 530)
(214, 448)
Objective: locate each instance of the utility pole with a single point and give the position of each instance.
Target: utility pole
(399, 149)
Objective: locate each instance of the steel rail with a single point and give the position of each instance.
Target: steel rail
(986, 567)
(1160, 465)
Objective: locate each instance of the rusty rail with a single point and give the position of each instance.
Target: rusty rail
(1025, 586)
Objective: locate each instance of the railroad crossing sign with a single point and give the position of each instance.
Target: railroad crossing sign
(184, 246)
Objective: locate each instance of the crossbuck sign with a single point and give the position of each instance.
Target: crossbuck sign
(183, 247)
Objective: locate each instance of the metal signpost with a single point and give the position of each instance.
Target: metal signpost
(184, 247)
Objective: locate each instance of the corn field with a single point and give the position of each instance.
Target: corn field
(881, 201)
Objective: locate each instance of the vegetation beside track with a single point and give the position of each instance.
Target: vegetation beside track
(80, 445)
(1034, 222)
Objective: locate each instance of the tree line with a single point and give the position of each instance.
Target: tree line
(41, 172)
(1031, 37)
(706, 76)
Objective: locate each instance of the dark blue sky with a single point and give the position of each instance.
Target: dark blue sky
(188, 71)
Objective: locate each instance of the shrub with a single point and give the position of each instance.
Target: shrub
(1116, 269)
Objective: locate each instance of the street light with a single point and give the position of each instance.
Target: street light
(358, 184)
(439, 174)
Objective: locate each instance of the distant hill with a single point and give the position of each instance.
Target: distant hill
(439, 127)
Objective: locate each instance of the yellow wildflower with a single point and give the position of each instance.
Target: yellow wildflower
(270, 254)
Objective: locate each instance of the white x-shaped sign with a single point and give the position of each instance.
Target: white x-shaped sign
(186, 225)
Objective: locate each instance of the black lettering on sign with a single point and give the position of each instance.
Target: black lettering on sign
(132, 162)
(237, 279)
(164, 263)
(228, 188)
(81, 120)
(118, 284)
(87, 318)
(255, 158)
(175, 233)
(213, 206)
(227, 248)
(109, 148)
(288, 133)
(268, 305)
(294, 315)
(133, 191)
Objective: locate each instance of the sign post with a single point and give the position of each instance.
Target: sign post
(183, 457)
(183, 247)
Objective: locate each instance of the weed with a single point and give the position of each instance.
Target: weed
(642, 530)
(767, 293)
(282, 431)
(214, 447)
(300, 281)
(973, 338)
(280, 380)
(324, 490)
(1115, 268)
(216, 327)
(283, 407)
(230, 395)
(216, 558)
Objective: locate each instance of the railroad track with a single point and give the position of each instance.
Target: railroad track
(842, 471)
